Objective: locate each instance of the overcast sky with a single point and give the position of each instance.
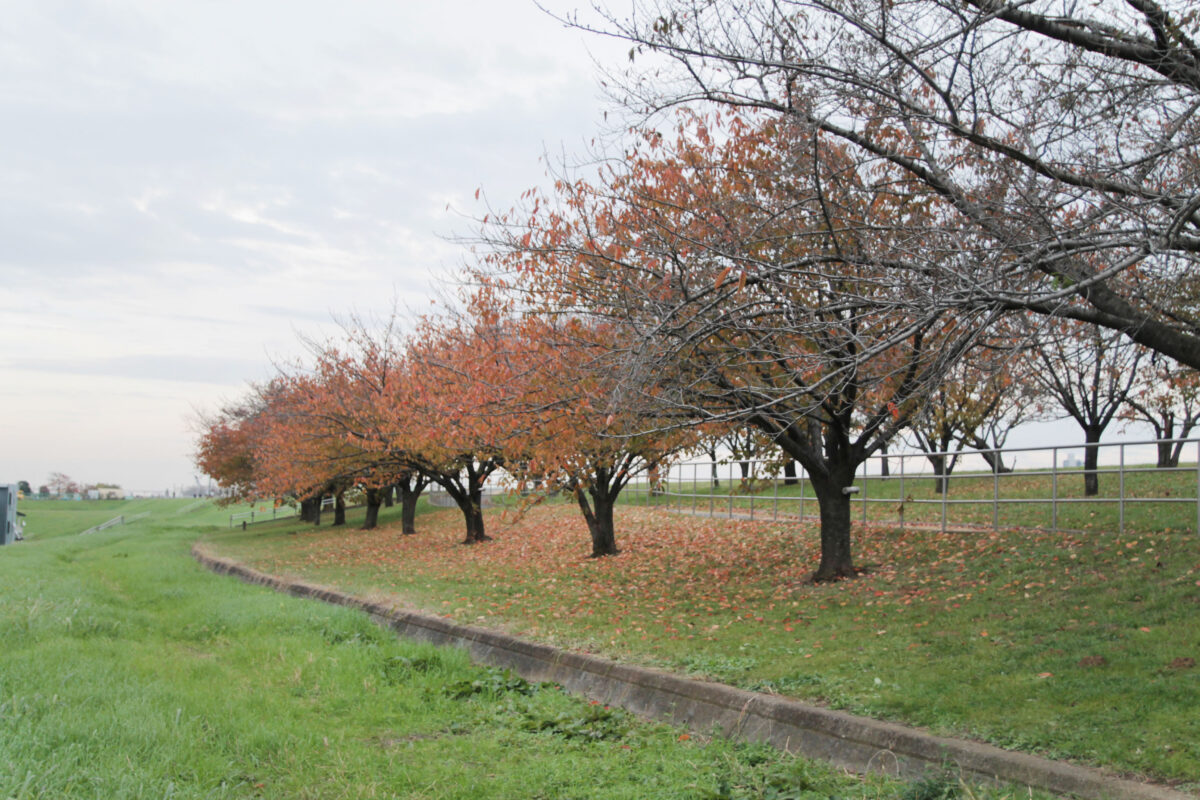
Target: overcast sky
(187, 186)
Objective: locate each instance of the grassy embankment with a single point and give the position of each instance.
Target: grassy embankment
(1074, 645)
(126, 671)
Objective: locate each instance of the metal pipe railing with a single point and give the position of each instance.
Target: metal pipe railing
(1117, 468)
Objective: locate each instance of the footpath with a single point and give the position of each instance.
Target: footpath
(858, 744)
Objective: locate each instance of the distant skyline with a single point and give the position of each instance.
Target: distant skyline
(188, 187)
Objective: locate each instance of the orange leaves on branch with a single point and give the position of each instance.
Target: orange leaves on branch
(721, 278)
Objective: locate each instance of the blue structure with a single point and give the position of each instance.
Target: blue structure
(8, 513)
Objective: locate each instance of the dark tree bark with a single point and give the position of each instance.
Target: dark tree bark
(1166, 460)
(942, 467)
(994, 458)
(834, 503)
(389, 493)
(374, 501)
(789, 473)
(472, 511)
(339, 508)
(712, 466)
(1091, 459)
(465, 488)
(599, 522)
(410, 488)
(831, 457)
(310, 509)
(597, 502)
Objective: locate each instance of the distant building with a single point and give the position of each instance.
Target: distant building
(10, 530)
(106, 493)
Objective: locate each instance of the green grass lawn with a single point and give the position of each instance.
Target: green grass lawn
(1074, 645)
(127, 671)
(47, 519)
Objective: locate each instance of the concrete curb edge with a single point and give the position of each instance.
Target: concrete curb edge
(854, 743)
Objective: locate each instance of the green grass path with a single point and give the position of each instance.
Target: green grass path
(127, 671)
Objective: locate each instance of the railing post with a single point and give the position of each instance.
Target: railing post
(729, 490)
(1121, 496)
(753, 478)
(678, 494)
(775, 497)
(945, 481)
(804, 479)
(865, 475)
(712, 490)
(1054, 491)
(996, 455)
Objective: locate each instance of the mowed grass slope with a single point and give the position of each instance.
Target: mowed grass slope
(1074, 645)
(48, 519)
(126, 671)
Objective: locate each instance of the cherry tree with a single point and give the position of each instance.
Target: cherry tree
(1165, 396)
(1088, 372)
(1062, 138)
(736, 258)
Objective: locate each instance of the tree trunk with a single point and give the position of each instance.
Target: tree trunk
(885, 469)
(744, 467)
(1164, 455)
(789, 473)
(374, 501)
(599, 521)
(1091, 457)
(940, 475)
(994, 458)
(473, 516)
(836, 562)
(339, 509)
(316, 513)
(1176, 452)
(712, 466)
(306, 509)
(389, 492)
(409, 494)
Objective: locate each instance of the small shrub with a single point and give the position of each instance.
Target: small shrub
(592, 723)
(494, 683)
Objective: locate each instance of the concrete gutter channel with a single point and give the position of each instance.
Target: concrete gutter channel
(854, 743)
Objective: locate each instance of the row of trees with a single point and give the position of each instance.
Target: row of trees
(61, 485)
(448, 404)
(864, 219)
